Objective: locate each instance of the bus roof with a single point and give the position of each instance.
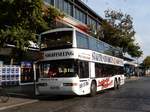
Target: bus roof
(64, 29)
(57, 30)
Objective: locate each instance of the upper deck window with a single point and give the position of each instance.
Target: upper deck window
(62, 39)
(82, 41)
(88, 42)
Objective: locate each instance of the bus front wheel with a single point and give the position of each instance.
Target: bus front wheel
(93, 89)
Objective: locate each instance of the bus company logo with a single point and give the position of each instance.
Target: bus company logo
(108, 59)
(105, 83)
(102, 58)
(97, 57)
(59, 54)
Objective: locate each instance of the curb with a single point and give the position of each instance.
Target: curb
(132, 78)
(16, 105)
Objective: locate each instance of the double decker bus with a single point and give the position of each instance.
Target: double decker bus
(74, 63)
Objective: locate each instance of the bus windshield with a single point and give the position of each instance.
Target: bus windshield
(57, 40)
(57, 68)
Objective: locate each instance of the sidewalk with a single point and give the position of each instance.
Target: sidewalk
(14, 102)
(132, 78)
(19, 95)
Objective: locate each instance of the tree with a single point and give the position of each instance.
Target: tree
(146, 62)
(134, 50)
(21, 20)
(118, 31)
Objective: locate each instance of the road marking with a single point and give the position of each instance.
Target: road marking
(16, 105)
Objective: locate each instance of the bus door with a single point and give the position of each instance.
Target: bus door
(83, 73)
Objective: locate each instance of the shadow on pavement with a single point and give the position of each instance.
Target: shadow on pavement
(27, 92)
(54, 97)
(24, 91)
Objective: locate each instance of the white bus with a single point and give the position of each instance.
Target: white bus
(74, 63)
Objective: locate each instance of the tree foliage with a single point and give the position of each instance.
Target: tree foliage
(146, 62)
(21, 20)
(118, 31)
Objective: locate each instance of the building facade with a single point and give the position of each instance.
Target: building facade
(77, 13)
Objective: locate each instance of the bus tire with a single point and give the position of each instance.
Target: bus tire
(115, 84)
(93, 89)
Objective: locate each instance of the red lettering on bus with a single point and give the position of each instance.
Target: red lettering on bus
(105, 83)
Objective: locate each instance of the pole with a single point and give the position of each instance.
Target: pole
(34, 70)
(137, 67)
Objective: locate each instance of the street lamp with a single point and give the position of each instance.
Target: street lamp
(35, 62)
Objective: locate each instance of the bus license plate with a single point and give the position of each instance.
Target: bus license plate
(54, 87)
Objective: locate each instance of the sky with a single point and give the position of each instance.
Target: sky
(138, 9)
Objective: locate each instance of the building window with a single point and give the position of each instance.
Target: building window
(79, 15)
(64, 6)
(52, 2)
(68, 8)
(59, 4)
(92, 23)
(76, 14)
(49, 2)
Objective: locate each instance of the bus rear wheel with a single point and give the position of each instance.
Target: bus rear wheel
(93, 89)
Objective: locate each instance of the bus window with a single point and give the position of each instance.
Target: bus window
(82, 41)
(56, 40)
(98, 70)
(59, 68)
(83, 69)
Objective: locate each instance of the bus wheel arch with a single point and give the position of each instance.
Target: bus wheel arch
(93, 88)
